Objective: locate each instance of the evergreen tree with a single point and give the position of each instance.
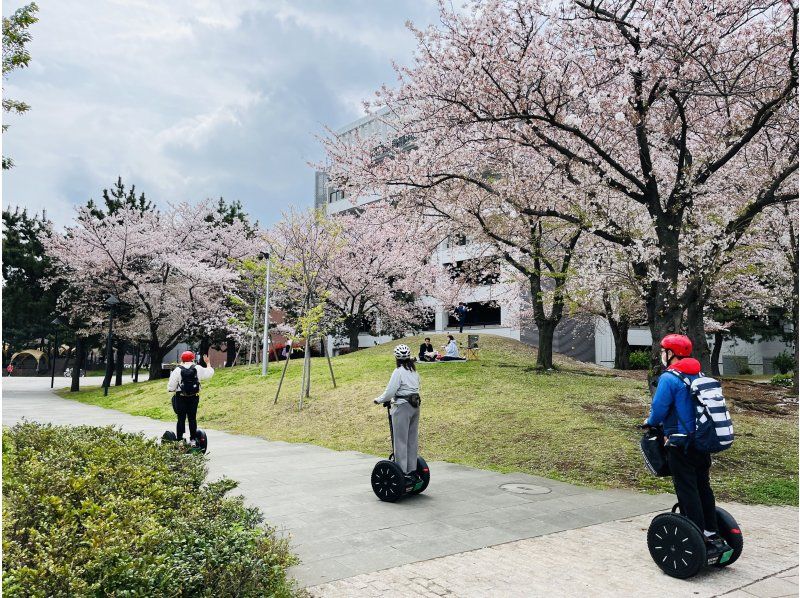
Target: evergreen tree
(29, 304)
(118, 198)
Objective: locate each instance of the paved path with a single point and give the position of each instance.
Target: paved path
(322, 498)
(609, 559)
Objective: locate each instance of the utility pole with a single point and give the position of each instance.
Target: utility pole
(265, 339)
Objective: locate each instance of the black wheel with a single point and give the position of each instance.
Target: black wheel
(202, 441)
(388, 481)
(169, 436)
(729, 529)
(424, 473)
(676, 545)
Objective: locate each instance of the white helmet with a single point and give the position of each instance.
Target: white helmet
(402, 352)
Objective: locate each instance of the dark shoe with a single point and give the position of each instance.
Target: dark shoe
(716, 545)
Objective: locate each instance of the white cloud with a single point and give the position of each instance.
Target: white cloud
(193, 99)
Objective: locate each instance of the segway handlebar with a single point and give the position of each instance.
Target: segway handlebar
(647, 427)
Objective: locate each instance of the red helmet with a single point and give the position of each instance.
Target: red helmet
(679, 344)
(188, 356)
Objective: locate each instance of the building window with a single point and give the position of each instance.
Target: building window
(456, 240)
(479, 313)
(335, 196)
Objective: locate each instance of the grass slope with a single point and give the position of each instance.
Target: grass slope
(575, 424)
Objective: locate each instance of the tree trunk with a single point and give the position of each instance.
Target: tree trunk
(230, 348)
(156, 358)
(796, 337)
(547, 328)
(718, 338)
(352, 335)
(695, 330)
(622, 349)
(205, 345)
(80, 358)
(109, 367)
(119, 362)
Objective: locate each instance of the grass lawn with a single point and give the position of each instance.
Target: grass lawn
(575, 424)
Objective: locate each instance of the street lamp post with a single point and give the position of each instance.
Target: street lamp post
(56, 323)
(265, 340)
(112, 302)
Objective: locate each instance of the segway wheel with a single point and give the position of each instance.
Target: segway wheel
(388, 481)
(202, 441)
(676, 545)
(729, 530)
(424, 474)
(169, 436)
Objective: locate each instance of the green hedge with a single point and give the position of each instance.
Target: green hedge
(639, 360)
(783, 379)
(97, 512)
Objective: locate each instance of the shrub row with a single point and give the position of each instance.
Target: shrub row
(96, 512)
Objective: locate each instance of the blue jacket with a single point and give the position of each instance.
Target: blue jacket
(673, 406)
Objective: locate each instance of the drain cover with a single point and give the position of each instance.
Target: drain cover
(524, 489)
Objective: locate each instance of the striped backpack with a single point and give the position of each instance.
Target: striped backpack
(713, 425)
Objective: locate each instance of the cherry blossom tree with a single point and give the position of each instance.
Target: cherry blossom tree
(369, 265)
(170, 269)
(603, 284)
(671, 126)
(383, 272)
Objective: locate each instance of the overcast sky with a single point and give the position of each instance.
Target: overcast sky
(189, 99)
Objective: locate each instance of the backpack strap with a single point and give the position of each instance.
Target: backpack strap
(685, 380)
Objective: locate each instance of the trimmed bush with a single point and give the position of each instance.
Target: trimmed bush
(782, 379)
(639, 360)
(784, 362)
(745, 370)
(96, 512)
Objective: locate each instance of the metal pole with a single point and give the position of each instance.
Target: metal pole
(107, 377)
(283, 375)
(55, 356)
(265, 340)
(328, 356)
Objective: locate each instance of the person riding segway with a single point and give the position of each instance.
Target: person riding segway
(689, 419)
(405, 472)
(184, 382)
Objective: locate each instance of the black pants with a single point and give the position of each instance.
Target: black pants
(186, 407)
(690, 478)
(461, 326)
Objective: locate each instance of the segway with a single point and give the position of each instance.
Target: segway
(389, 482)
(675, 542)
(679, 549)
(201, 440)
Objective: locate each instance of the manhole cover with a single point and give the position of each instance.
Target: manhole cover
(524, 489)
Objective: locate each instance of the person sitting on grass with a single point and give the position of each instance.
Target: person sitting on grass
(673, 409)
(403, 394)
(184, 382)
(426, 352)
(451, 350)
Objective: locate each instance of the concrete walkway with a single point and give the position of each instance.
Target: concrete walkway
(323, 500)
(608, 559)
